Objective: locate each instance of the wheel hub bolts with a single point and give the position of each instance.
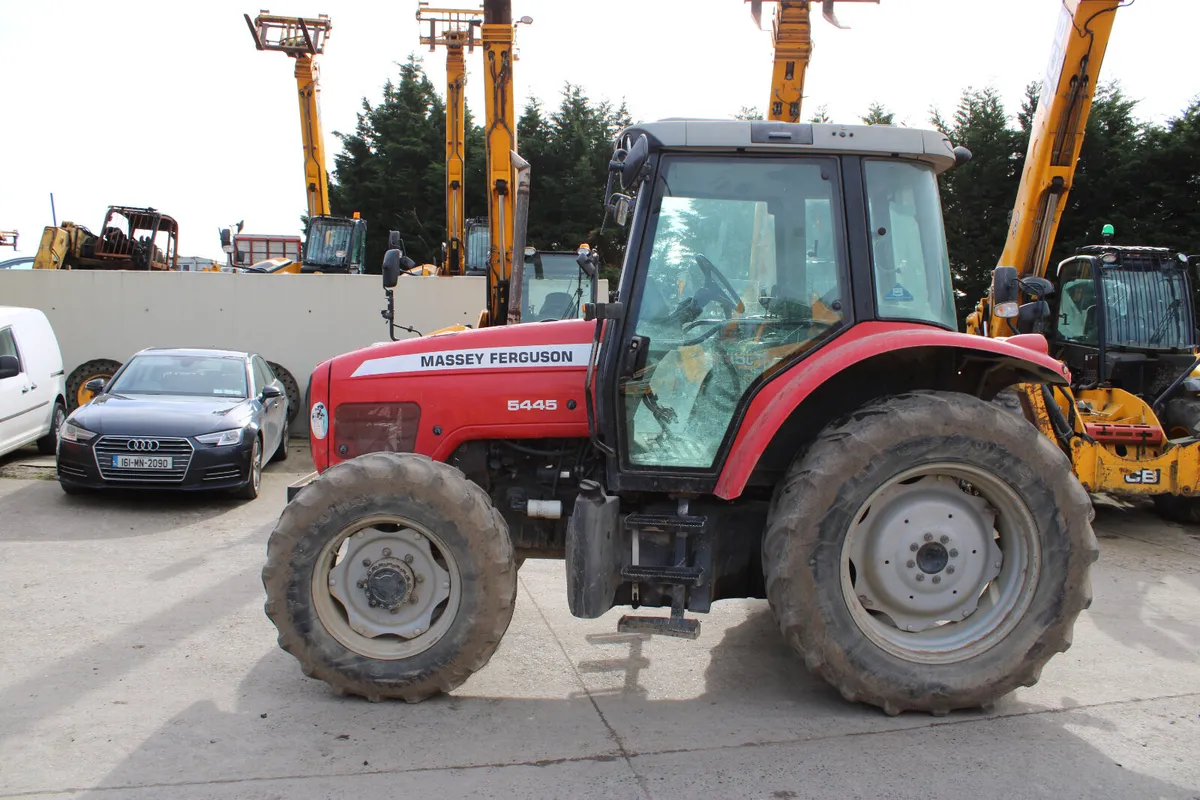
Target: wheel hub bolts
(914, 547)
(929, 537)
(910, 563)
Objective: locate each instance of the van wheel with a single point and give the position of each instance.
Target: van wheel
(98, 368)
(48, 444)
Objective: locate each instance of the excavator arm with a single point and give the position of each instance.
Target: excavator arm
(791, 35)
(1084, 27)
(303, 39)
(454, 29)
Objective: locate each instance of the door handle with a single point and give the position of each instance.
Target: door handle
(33, 386)
(24, 389)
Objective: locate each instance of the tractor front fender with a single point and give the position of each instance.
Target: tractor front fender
(872, 360)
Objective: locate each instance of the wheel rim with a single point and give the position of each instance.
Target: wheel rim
(256, 466)
(386, 588)
(940, 563)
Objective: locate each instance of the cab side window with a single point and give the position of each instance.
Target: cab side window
(8, 346)
(1076, 320)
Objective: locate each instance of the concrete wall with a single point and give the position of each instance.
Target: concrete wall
(297, 321)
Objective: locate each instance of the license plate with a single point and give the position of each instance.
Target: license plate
(142, 462)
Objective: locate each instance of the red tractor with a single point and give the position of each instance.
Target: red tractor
(775, 405)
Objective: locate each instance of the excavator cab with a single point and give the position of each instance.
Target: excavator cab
(335, 245)
(1123, 316)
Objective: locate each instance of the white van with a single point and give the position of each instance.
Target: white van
(32, 385)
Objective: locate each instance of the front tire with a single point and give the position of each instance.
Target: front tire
(281, 450)
(390, 576)
(48, 444)
(895, 602)
(253, 485)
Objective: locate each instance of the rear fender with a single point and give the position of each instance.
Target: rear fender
(872, 360)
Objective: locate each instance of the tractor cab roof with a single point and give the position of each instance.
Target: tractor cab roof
(787, 137)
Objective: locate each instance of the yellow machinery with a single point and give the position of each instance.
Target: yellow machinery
(331, 244)
(791, 35)
(130, 238)
(454, 29)
(1119, 317)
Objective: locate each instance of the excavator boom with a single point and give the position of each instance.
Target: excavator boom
(302, 38)
(454, 29)
(791, 35)
(501, 137)
(1083, 30)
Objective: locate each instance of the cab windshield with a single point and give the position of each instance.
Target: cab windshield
(553, 287)
(328, 243)
(1147, 308)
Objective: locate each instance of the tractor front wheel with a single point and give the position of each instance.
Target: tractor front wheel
(929, 553)
(390, 576)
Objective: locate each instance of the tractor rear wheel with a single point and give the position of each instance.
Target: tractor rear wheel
(1184, 510)
(929, 553)
(390, 576)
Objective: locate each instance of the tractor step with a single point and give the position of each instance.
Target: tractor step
(660, 626)
(664, 522)
(647, 573)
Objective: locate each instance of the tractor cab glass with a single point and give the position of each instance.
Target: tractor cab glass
(908, 243)
(553, 287)
(335, 245)
(746, 271)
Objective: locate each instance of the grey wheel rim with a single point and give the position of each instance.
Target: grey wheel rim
(60, 417)
(256, 466)
(940, 563)
(386, 587)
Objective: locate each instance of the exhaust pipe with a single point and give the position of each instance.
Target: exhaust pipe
(520, 223)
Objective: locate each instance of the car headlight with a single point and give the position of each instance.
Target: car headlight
(222, 437)
(70, 432)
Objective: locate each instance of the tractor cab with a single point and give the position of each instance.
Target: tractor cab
(759, 252)
(1123, 316)
(335, 244)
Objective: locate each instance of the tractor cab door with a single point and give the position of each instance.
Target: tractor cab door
(358, 248)
(741, 271)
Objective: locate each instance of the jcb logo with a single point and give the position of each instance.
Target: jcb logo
(1143, 476)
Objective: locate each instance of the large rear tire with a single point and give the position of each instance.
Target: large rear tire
(1184, 510)
(390, 576)
(893, 600)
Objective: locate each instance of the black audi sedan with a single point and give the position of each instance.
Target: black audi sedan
(177, 419)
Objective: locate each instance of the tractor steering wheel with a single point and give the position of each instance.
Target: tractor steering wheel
(716, 287)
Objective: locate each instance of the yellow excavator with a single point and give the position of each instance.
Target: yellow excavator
(331, 244)
(791, 36)
(1120, 318)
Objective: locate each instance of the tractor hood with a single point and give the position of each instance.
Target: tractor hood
(534, 346)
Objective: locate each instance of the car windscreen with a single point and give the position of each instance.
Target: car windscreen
(183, 375)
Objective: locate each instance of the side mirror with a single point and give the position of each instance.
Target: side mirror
(1005, 291)
(391, 267)
(1031, 316)
(619, 205)
(10, 367)
(271, 391)
(635, 159)
(395, 242)
(95, 385)
(1037, 288)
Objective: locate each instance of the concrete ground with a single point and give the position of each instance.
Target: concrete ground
(135, 661)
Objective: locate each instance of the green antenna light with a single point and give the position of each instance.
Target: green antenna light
(1108, 231)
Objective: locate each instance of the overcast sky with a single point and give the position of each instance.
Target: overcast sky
(168, 104)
